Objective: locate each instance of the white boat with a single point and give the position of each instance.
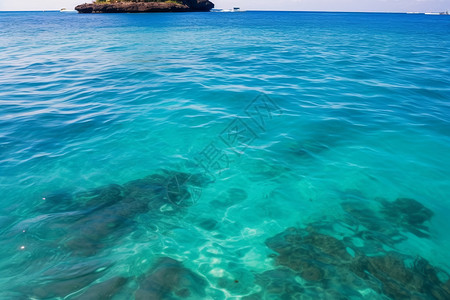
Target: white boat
(66, 10)
(444, 13)
(234, 9)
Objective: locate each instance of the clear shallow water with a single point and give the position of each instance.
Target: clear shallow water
(88, 101)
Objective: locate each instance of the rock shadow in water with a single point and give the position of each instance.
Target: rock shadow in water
(104, 290)
(408, 214)
(337, 268)
(280, 283)
(110, 211)
(96, 220)
(64, 279)
(232, 196)
(169, 279)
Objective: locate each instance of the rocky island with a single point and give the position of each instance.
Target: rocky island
(145, 6)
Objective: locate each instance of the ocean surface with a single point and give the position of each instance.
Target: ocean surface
(256, 155)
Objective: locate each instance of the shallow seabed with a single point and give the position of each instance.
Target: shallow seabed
(259, 155)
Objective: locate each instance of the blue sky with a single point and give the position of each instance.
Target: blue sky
(326, 5)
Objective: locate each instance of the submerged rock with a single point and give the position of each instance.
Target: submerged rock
(409, 214)
(279, 283)
(370, 226)
(208, 224)
(399, 281)
(100, 229)
(103, 291)
(324, 261)
(95, 219)
(64, 201)
(170, 188)
(183, 190)
(65, 279)
(169, 278)
(146, 6)
(56, 202)
(62, 288)
(306, 252)
(92, 221)
(311, 149)
(388, 224)
(112, 209)
(229, 198)
(101, 197)
(5, 222)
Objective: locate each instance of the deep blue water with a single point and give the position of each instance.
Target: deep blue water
(160, 156)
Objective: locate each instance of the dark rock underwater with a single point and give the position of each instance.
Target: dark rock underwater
(314, 261)
(313, 258)
(80, 226)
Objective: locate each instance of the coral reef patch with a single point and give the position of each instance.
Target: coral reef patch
(352, 257)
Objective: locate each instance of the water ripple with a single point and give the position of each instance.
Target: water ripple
(88, 101)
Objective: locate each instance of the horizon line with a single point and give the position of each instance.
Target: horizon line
(265, 10)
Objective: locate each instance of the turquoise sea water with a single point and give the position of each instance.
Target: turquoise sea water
(258, 155)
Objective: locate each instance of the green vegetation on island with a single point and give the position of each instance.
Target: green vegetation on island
(116, 1)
